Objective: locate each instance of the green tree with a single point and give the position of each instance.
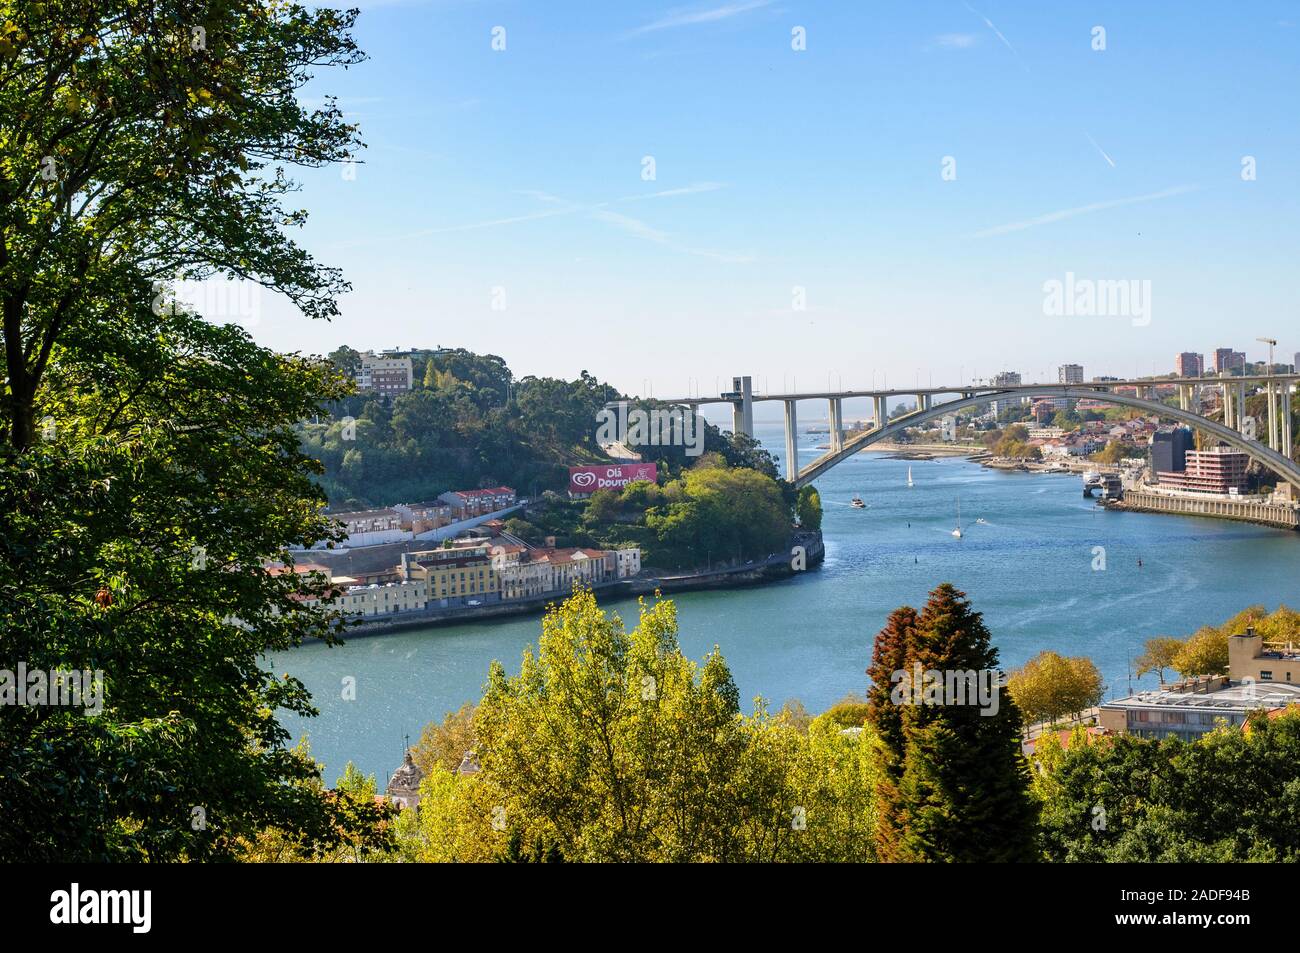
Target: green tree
(1158, 655)
(964, 793)
(1205, 653)
(890, 656)
(136, 518)
(1050, 686)
(809, 508)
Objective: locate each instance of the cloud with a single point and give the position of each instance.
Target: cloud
(998, 34)
(680, 17)
(1083, 210)
(1101, 150)
(639, 229)
(956, 41)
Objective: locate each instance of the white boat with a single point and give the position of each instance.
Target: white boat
(857, 503)
(909, 477)
(957, 531)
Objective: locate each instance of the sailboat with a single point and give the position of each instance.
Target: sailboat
(909, 477)
(957, 531)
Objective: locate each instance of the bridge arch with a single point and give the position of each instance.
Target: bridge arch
(1281, 465)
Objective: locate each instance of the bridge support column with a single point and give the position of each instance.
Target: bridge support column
(742, 409)
(837, 423)
(1240, 403)
(791, 441)
(1288, 419)
(923, 401)
(1269, 391)
(1185, 396)
(881, 411)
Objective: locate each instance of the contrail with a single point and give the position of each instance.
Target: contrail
(1083, 210)
(998, 34)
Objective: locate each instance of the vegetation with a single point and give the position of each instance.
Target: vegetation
(711, 514)
(148, 465)
(469, 422)
(612, 745)
(1011, 443)
(1050, 686)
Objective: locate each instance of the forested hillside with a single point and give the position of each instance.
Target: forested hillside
(469, 422)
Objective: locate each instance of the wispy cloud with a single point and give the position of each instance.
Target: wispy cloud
(998, 33)
(1101, 150)
(956, 41)
(598, 211)
(1063, 214)
(682, 17)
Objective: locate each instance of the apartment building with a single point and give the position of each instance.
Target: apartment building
(466, 504)
(1189, 364)
(1218, 470)
(461, 575)
(384, 374)
(424, 516)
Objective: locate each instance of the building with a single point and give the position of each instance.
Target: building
(1260, 676)
(1190, 709)
(1250, 658)
(1070, 374)
(372, 527)
(378, 598)
(424, 516)
(1228, 361)
(629, 562)
(466, 504)
(404, 786)
(527, 573)
(1007, 379)
(384, 374)
(1189, 364)
(1169, 449)
(1219, 470)
(455, 575)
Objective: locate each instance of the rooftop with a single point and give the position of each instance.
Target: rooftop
(1236, 697)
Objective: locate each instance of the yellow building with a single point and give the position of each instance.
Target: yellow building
(459, 576)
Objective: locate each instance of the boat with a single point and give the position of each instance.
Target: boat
(857, 503)
(957, 531)
(909, 477)
(980, 519)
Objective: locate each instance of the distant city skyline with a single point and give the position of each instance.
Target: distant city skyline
(668, 195)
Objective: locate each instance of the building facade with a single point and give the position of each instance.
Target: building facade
(1189, 364)
(384, 374)
(1218, 470)
(466, 504)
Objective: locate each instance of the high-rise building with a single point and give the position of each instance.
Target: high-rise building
(1070, 374)
(1296, 366)
(1169, 449)
(1007, 379)
(1228, 361)
(1189, 364)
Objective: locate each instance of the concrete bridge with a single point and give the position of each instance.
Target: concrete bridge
(1270, 448)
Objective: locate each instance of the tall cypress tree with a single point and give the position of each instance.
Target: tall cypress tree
(889, 655)
(964, 792)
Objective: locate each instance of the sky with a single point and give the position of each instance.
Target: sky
(666, 196)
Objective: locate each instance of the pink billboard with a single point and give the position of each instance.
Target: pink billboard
(612, 477)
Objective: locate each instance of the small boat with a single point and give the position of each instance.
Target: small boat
(957, 531)
(909, 477)
(981, 519)
(857, 503)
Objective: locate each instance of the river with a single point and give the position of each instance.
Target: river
(1028, 566)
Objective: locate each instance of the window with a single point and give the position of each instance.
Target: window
(1265, 675)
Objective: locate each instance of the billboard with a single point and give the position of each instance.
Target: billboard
(614, 476)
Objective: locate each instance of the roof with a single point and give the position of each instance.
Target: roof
(1236, 697)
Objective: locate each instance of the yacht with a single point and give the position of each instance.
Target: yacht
(857, 503)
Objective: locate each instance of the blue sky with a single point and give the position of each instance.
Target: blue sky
(819, 169)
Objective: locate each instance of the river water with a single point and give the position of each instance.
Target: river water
(1028, 566)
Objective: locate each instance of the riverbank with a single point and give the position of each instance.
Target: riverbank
(807, 551)
(1277, 515)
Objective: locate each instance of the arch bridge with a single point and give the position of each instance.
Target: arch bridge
(1236, 429)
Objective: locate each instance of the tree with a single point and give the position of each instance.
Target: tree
(890, 655)
(1050, 686)
(809, 508)
(1205, 653)
(446, 743)
(1158, 655)
(147, 139)
(136, 520)
(964, 792)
